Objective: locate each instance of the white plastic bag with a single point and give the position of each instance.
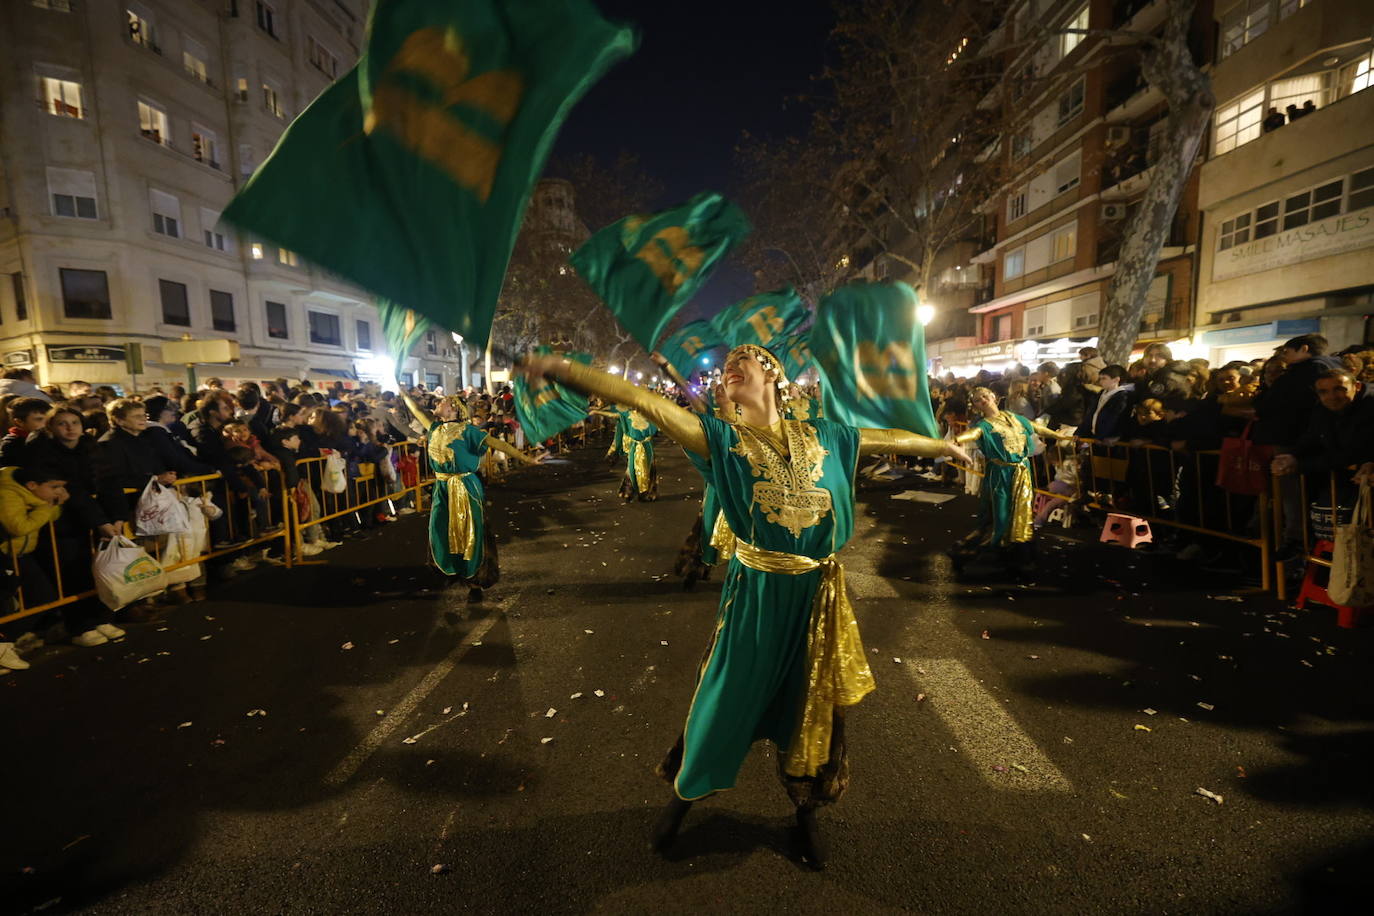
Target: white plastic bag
(335, 478)
(182, 547)
(1352, 559)
(160, 511)
(125, 573)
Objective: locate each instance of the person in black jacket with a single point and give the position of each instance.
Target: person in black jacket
(127, 458)
(64, 447)
(27, 417)
(1339, 436)
(259, 413)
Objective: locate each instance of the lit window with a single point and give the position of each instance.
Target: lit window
(1014, 264)
(1065, 242)
(1300, 90)
(1356, 76)
(152, 123)
(287, 257)
(1070, 40)
(1239, 122)
(193, 59)
(61, 97)
(204, 146)
(141, 30)
(271, 100)
(241, 89)
(73, 193)
(255, 250)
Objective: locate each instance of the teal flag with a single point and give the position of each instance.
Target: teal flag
(645, 268)
(402, 328)
(870, 352)
(764, 319)
(545, 408)
(410, 175)
(685, 348)
(795, 353)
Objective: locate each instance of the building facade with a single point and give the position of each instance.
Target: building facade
(1287, 242)
(125, 128)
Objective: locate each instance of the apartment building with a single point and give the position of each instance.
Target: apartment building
(125, 128)
(1287, 244)
(1082, 131)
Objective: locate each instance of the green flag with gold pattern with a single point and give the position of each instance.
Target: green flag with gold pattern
(764, 319)
(545, 408)
(645, 268)
(871, 355)
(410, 175)
(685, 348)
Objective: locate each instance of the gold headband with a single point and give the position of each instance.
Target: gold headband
(762, 356)
(460, 407)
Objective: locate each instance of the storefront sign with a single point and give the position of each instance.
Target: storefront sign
(85, 354)
(1262, 333)
(19, 358)
(1348, 232)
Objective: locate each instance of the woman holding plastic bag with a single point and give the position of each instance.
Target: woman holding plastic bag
(460, 540)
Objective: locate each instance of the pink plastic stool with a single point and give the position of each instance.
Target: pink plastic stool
(1127, 530)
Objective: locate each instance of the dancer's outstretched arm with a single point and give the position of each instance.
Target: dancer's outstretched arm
(698, 402)
(682, 426)
(901, 442)
(501, 445)
(424, 416)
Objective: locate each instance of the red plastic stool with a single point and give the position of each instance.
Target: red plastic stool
(1127, 530)
(1346, 616)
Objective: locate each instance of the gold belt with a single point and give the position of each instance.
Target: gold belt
(837, 670)
(462, 531)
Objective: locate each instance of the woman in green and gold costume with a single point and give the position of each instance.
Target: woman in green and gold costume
(1006, 495)
(786, 657)
(634, 435)
(460, 540)
(711, 542)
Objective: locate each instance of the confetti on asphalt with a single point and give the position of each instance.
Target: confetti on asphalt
(986, 635)
(1235, 598)
(254, 713)
(545, 740)
(392, 642)
(663, 642)
(347, 645)
(1143, 728)
(1150, 712)
(203, 638)
(1207, 706)
(589, 632)
(1206, 794)
(576, 696)
(184, 725)
(438, 870)
(600, 693)
(920, 698)
(551, 713)
(447, 710)
(380, 712)
(896, 660)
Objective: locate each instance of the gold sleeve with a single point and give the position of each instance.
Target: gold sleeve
(971, 435)
(1046, 431)
(898, 442)
(424, 416)
(501, 445)
(682, 426)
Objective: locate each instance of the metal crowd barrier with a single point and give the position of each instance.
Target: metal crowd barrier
(240, 532)
(1316, 523)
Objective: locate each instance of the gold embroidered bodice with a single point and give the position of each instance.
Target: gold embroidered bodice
(788, 464)
(440, 438)
(1010, 429)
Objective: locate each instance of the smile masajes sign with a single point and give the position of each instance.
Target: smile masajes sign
(1338, 234)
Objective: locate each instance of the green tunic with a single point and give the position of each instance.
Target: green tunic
(636, 434)
(457, 447)
(754, 680)
(1005, 497)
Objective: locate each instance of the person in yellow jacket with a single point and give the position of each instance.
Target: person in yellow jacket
(30, 499)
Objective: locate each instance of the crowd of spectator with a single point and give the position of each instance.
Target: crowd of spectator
(75, 460)
(1308, 411)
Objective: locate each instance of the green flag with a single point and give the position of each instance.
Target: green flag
(645, 268)
(795, 353)
(871, 354)
(410, 175)
(684, 348)
(764, 319)
(402, 328)
(545, 408)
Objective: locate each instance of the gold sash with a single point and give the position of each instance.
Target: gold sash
(837, 671)
(462, 531)
(1021, 525)
(723, 539)
(640, 459)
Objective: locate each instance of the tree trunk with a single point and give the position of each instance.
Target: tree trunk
(1169, 67)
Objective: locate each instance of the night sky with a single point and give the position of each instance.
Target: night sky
(704, 73)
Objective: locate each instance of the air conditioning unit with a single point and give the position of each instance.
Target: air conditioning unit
(1112, 213)
(1118, 135)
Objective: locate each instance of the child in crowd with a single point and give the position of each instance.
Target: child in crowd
(27, 417)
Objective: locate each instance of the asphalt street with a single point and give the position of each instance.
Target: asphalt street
(356, 738)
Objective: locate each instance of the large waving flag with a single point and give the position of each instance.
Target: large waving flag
(795, 353)
(645, 268)
(545, 408)
(401, 327)
(684, 348)
(871, 355)
(764, 319)
(410, 175)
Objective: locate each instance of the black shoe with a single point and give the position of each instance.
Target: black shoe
(474, 595)
(809, 839)
(668, 824)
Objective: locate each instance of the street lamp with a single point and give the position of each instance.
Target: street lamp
(925, 313)
(614, 370)
(638, 376)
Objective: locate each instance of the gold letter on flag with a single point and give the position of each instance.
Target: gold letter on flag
(886, 373)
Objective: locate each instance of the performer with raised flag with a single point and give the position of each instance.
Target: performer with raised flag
(634, 436)
(786, 658)
(460, 540)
